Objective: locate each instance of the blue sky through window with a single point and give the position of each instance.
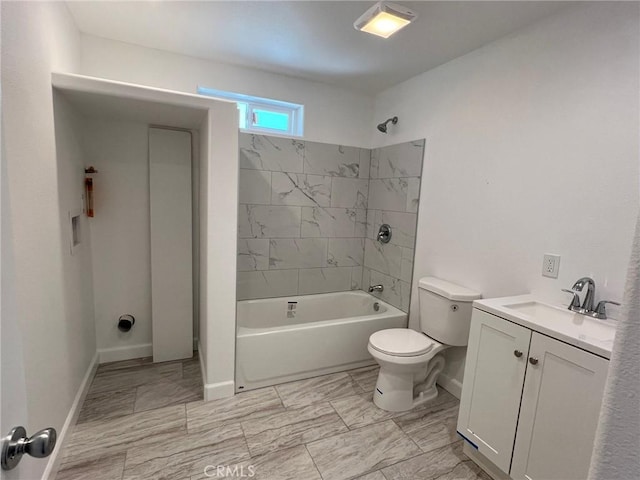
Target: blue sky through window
(274, 120)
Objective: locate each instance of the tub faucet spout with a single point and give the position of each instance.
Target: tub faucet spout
(376, 288)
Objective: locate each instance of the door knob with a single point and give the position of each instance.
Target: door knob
(533, 360)
(16, 444)
(517, 353)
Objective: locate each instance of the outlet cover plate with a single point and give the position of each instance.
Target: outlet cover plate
(550, 265)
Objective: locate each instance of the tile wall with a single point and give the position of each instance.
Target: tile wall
(303, 217)
(394, 193)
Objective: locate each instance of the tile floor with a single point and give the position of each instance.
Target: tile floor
(146, 421)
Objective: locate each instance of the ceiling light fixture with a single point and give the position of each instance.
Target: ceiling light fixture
(384, 19)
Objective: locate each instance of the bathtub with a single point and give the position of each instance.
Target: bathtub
(290, 338)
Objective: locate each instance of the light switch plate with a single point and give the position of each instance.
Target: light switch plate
(550, 265)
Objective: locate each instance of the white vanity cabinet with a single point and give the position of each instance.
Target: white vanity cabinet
(492, 388)
(530, 403)
(559, 412)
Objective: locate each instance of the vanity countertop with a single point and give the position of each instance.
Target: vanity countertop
(588, 333)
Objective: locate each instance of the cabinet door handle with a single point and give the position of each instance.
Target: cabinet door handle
(533, 360)
(517, 353)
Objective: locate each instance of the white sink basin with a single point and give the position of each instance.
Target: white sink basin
(537, 309)
(580, 330)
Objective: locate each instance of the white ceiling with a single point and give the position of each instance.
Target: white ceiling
(310, 39)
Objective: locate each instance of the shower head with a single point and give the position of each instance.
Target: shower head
(383, 126)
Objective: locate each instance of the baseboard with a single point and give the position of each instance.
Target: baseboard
(125, 353)
(213, 391)
(55, 459)
(451, 385)
(203, 367)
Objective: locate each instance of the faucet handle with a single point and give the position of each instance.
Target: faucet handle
(600, 311)
(574, 306)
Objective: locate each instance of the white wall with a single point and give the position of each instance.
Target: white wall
(120, 231)
(332, 114)
(219, 192)
(77, 272)
(203, 253)
(56, 328)
(531, 147)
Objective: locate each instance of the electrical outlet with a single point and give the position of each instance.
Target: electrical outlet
(550, 265)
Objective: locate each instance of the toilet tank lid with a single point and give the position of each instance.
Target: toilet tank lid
(448, 290)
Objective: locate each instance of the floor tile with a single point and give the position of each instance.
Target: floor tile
(292, 427)
(361, 451)
(245, 406)
(287, 464)
(124, 364)
(359, 410)
(191, 368)
(186, 455)
(366, 377)
(107, 405)
(444, 463)
(165, 393)
(317, 389)
(135, 376)
(432, 427)
(111, 436)
(105, 468)
(377, 475)
(292, 431)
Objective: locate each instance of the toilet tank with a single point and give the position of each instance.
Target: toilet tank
(445, 310)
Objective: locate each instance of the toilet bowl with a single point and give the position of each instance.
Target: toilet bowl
(411, 361)
(409, 365)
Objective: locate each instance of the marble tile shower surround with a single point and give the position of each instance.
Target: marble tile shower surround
(394, 195)
(307, 211)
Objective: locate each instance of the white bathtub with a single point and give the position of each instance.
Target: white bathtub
(327, 333)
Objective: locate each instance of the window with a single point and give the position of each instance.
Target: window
(263, 115)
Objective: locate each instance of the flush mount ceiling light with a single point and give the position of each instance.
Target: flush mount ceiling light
(384, 19)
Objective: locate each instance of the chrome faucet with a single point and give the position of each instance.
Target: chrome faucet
(376, 288)
(587, 303)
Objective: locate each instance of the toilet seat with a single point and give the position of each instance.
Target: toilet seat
(401, 342)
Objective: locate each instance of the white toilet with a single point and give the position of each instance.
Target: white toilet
(409, 360)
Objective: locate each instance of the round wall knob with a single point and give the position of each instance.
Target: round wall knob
(384, 234)
(533, 360)
(517, 353)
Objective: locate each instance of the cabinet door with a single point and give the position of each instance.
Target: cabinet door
(492, 387)
(560, 409)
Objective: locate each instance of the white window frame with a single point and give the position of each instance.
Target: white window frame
(294, 110)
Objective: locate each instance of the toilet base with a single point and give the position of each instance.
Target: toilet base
(397, 391)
